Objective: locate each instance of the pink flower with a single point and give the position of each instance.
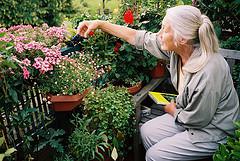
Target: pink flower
(26, 73)
(38, 62)
(6, 39)
(26, 62)
(19, 46)
(37, 65)
(128, 17)
(3, 30)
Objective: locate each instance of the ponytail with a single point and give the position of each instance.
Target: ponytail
(207, 37)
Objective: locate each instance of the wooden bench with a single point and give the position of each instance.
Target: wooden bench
(142, 99)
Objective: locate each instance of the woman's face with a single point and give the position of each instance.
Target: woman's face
(165, 37)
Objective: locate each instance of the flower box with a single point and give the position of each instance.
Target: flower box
(66, 102)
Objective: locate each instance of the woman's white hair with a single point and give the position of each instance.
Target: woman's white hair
(188, 23)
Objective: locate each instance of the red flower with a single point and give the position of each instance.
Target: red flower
(117, 46)
(128, 17)
(91, 33)
(116, 49)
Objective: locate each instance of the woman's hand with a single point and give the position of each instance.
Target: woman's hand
(86, 27)
(170, 108)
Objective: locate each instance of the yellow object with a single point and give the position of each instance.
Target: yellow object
(161, 98)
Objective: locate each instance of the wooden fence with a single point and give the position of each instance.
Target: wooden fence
(32, 109)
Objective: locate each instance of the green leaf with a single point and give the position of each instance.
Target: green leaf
(13, 94)
(2, 34)
(1, 157)
(10, 151)
(105, 138)
(1, 140)
(236, 154)
(237, 133)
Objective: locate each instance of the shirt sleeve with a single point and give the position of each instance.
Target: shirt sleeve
(201, 107)
(148, 40)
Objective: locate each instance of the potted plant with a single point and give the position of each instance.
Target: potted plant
(113, 111)
(86, 143)
(125, 63)
(36, 52)
(159, 70)
(69, 82)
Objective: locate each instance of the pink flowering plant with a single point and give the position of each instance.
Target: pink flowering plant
(36, 52)
(72, 75)
(36, 49)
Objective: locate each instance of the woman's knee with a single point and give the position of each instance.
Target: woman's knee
(145, 131)
(154, 154)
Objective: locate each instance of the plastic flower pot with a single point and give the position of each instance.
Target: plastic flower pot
(66, 102)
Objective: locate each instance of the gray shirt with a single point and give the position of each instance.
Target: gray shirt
(209, 103)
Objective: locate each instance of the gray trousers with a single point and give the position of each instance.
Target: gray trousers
(166, 141)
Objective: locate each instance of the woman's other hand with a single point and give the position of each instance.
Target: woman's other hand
(170, 108)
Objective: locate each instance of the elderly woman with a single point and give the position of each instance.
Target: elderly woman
(207, 103)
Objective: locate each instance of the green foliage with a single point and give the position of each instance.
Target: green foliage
(113, 112)
(224, 14)
(65, 157)
(35, 12)
(50, 137)
(86, 143)
(23, 118)
(95, 6)
(10, 84)
(231, 43)
(231, 150)
(6, 153)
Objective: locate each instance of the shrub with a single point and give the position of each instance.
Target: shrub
(34, 12)
(85, 143)
(223, 13)
(231, 150)
(113, 112)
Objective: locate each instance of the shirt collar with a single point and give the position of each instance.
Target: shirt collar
(196, 61)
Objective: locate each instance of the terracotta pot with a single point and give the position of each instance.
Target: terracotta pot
(66, 102)
(159, 70)
(134, 89)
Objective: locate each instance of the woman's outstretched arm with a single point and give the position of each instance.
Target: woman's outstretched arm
(122, 32)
